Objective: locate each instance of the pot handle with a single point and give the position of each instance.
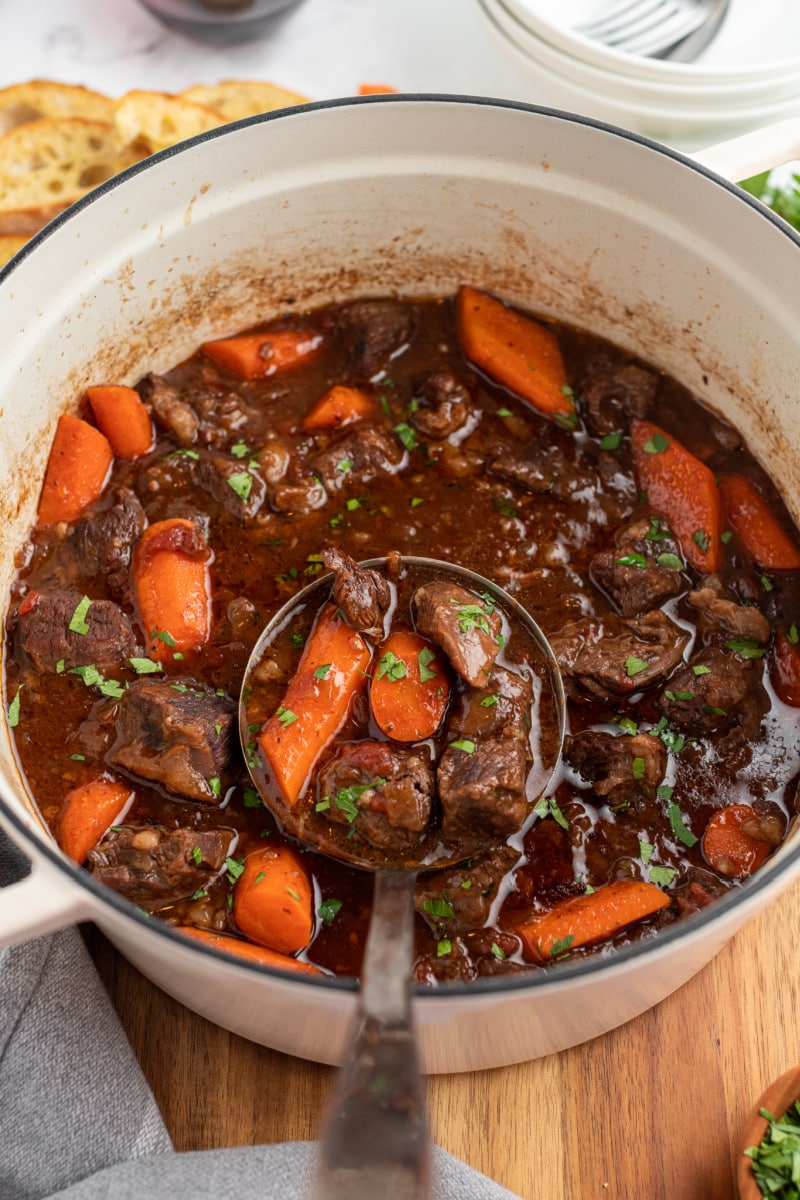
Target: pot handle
(42, 902)
(753, 152)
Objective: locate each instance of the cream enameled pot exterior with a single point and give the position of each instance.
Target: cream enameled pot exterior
(378, 196)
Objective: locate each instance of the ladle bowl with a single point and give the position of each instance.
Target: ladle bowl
(376, 1141)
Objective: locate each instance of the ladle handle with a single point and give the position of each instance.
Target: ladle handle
(375, 1143)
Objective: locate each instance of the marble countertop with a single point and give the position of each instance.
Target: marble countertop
(321, 48)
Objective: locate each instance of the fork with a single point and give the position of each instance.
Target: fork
(676, 29)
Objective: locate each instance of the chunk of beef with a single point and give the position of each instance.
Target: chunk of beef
(273, 459)
(103, 541)
(611, 392)
(505, 702)
(384, 792)
(714, 692)
(357, 457)
(302, 496)
(463, 625)
(241, 492)
(170, 409)
(544, 469)
(362, 595)
(152, 865)
(620, 768)
(177, 735)
(631, 574)
(44, 634)
(615, 656)
(470, 890)
(717, 610)
(376, 330)
(482, 786)
(445, 406)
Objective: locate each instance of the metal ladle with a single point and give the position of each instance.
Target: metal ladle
(375, 1144)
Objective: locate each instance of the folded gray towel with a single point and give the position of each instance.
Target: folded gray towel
(79, 1121)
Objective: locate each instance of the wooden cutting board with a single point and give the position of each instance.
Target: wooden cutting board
(651, 1111)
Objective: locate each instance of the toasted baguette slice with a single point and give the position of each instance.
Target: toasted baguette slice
(48, 164)
(10, 243)
(24, 102)
(146, 122)
(238, 98)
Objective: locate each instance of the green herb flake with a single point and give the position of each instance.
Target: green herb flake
(567, 420)
(200, 894)
(425, 657)
(701, 669)
(416, 501)
(145, 666)
(285, 716)
(215, 784)
(242, 484)
(392, 667)
(638, 768)
(60, 665)
(560, 946)
(298, 639)
(352, 504)
(295, 895)
(678, 695)
(548, 806)
(329, 910)
(323, 805)
(240, 449)
(77, 757)
(505, 507)
(465, 744)
(345, 799)
(251, 798)
(261, 875)
(670, 560)
(197, 855)
(336, 520)
(343, 466)
(633, 560)
(611, 441)
(766, 583)
(628, 726)
(746, 647)
(14, 707)
(443, 947)
(471, 616)
(682, 833)
(663, 876)
(701, 539)
(112, 688)
(645, 850)
(489, 701)
(726, 536)
(406, 435)
(635, 666)
(466, 885)
(504, 412)
(498, 951)
(776, 1159)
(166, 637)
(793, 635)
(234, 868)
(658, 531)
(77, 622)
(442, 909)
(657, 444)
(322, 671)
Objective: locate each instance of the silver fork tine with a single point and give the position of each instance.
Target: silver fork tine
(620, 16)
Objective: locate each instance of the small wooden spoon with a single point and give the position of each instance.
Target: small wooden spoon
(776, 1099)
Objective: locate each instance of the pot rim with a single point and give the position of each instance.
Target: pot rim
(616, 960)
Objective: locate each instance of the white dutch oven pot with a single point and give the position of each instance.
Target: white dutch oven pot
(413, 195)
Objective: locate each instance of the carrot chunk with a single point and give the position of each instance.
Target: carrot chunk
(77, 470)
(683, 489)
(376, 89)
(785, 669)
(339, 406)
(593, 917)
(123, 418)
(410, 690)
(89, 810)
(729, 844)
(756, 526)
(515, 351)
(173, 589)
(247, 951)
(273, 900)
(259, 355)
(331, 671)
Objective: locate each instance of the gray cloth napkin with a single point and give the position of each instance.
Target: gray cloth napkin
(78, 1120)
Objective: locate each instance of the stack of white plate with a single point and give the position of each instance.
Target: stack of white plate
(748, 77)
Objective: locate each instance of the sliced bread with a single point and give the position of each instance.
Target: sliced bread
(146, 122)
(238, 98)
(24, 102)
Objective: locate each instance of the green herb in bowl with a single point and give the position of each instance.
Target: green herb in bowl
(776, 1158)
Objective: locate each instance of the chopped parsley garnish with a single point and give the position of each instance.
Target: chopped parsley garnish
(638, 768)
(336, 520)
(611, 441)
(678, 695)
(746, 647)
(766, 583)
(663, 876)
(670, 560)
(215, 784)
(329, 910)
(416, 501)
(200, 894)
(658, 531)
(77, 622)
(439, 908)
(505, 507)
(633, 560)
(406, 435)
(13, 708)
(424, 659)
(234, 867)
(628, 726)
(701, 669)
(793, 635)
(323, 805)
(352, 504)
(726, 536)
(465, 744)
(92, 678)
(343, 466)
(678, 827)
(322, 671)
(657, 444)
(635, 666)
(498, 951)
(241, 483)
(504, 412)
(561, 946)
(295, 895)
(345, 799)
(645, 850)
(489, 701)
(77, 757)
(548, 806)
(776, 1159)
(298, 639)
(145, 666)
(197, 855)
(566, 420)
(443, 947)
(471, 616)
(701, 539)
(285, 716)
(392, 667)
(240, 450)
(251, 798)
(166, 637)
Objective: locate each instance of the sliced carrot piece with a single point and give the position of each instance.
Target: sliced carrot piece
(515, 351)
(259, 355)
(756, 526)
(683, 489)
(77, 470)
(246, 950)
(273, 900)
(330, 673)
(729, 848)
(410, 689)
(173, 588)
(89, 810)
(123, 419)
(376, 89)
(339, 406)
(582, 920)
(785, 669)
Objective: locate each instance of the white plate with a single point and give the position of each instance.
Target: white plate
(757, 38)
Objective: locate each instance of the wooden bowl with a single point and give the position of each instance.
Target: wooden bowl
(776, 1099)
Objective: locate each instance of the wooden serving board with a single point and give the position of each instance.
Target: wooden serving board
(651, 1111)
